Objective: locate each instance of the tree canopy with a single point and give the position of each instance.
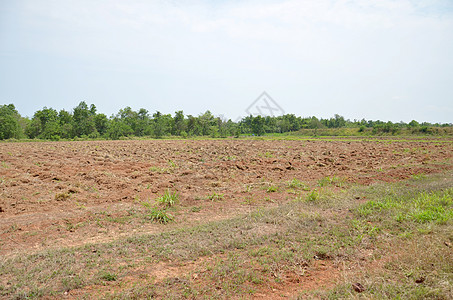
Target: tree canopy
(85, 122)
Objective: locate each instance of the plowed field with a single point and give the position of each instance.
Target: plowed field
(62, 194)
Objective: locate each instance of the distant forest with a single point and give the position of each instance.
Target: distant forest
(85, 122)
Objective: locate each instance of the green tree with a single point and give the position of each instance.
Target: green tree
(206, 121)
(102, 123)
(118, 128)
(258, 125)
(413, 124)
(84, 124)
(158, 125)
(45, 124)
(142, 126)
(180, 124)
(193, 126)
(9, 122)
(66, 121)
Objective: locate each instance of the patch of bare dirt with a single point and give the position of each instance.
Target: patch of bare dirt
(71, 193)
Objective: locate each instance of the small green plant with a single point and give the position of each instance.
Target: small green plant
(266, 154)
(196, 209)
(168, 199)
(325, 181)
(80, 205)
(158, 170)
(418, 176)
(229, 157)
(247, 188)
(334, 180)
(249, 200)
(160, 215)
(172, 164)
(272, 189)
(313, 196)
(215, 196)
(107, 276)
(297, 184)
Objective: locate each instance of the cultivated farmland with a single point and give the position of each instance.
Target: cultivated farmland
(227, 218)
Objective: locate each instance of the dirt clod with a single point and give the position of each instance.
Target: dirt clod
(358, 287)
(421, 279)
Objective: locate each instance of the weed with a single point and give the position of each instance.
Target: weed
(313, 196)
(268, 199)
(107, 276)
(172, 164)
(168, 199)
(80, 205)
(272, 189)
(249, 200)
(297, 184)
(12, 228)
(247, 188)
(229, 157)
(418, 176)
(266, 154)
(196, 209)
(159, 170)
(334, 180)
(159, 215)
(214, 196)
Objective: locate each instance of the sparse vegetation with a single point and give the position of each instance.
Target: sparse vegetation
(272, 189)
(246, 227)
(297, 184)
(168, 199)
(330, 180)
(159, 215)
(215, 196)
(313, 196)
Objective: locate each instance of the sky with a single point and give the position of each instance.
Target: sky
(373, 59)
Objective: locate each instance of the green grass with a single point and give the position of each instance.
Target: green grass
(313, 196)
(334, 180)
(408, 226)
(272, 189)
(435, 206)
(158, 211)
(160, 215)
(168, 199)
(215, 196)
(297, 184)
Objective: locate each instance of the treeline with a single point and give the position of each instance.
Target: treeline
(85, 122)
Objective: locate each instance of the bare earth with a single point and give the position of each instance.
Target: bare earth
(55, 194)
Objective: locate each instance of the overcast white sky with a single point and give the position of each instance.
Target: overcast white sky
(382, 59)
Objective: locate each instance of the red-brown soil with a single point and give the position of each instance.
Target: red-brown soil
(57, 194)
